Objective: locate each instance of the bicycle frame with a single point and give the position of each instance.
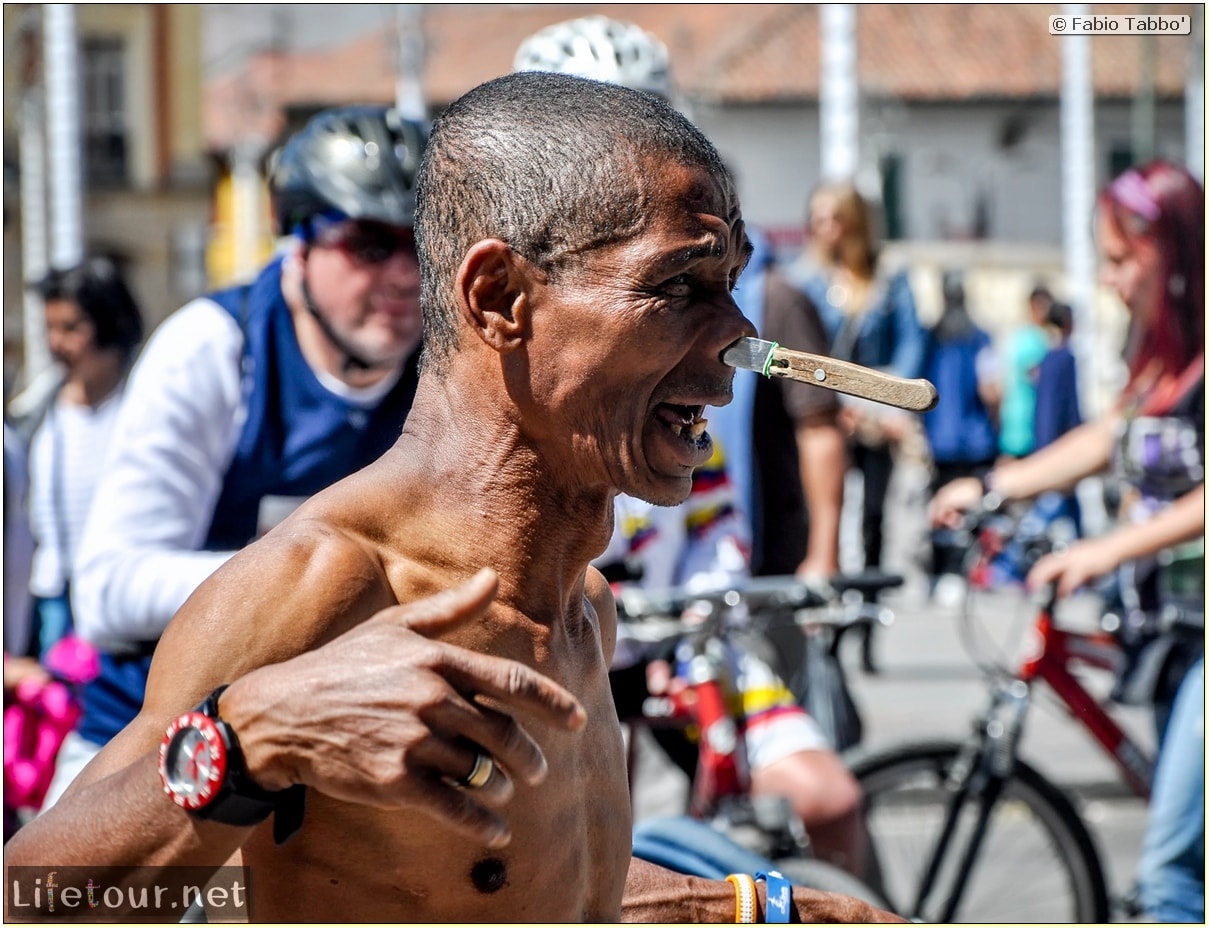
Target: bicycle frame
(986, 762)
(722, 758)
(1051, 653)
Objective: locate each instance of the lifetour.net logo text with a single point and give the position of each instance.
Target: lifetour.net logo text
(154, 894)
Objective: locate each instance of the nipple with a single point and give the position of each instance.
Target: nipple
(490, 875)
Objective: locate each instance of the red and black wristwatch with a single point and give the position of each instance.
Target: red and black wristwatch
(203, 771)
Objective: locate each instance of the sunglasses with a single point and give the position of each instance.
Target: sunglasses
(365, 241)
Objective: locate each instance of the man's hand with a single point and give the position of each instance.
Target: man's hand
(387, 716)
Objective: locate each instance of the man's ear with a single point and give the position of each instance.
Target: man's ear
(493, 286)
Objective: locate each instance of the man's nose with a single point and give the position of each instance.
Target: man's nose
(734, 326)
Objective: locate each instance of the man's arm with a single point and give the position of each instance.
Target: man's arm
(656, 895)
(138, 559)
(312, 701)
(822, 461)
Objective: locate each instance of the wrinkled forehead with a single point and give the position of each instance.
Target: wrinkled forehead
(689, 188)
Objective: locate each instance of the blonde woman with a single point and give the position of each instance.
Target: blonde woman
(869, 317)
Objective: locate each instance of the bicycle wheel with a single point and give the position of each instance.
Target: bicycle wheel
(828, 878)
(1036, 861)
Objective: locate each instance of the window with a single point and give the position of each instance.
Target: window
(103, 112)
(892, 197)
(1120, 159)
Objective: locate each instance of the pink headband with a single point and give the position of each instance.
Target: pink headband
(1130, 191)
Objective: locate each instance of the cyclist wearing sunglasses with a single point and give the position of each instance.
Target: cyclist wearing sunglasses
(248, 400)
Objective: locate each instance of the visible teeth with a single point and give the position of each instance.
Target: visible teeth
(697, 427)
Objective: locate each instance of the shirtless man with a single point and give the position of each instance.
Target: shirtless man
(461, 754)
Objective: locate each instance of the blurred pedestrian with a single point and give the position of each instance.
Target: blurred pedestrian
(1026, 347)
(961, 431)
(1056, 413)
(1057, 410)
(251, 399)
(869, 317)
(1151, 233)
(93, 330)
(801, 452)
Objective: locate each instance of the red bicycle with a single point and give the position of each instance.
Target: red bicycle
(700, 697)
(967, 830)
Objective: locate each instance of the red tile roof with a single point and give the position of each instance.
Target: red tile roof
(735, 53)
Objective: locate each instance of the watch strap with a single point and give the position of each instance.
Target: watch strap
(244, 802)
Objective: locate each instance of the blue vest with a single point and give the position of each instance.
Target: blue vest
(298, 438)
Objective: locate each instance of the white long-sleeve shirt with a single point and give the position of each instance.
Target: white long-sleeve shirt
(172, 442)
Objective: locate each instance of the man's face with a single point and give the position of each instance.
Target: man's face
(365, 278)
(626, 345)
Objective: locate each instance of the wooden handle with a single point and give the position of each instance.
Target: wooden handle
(853, 379)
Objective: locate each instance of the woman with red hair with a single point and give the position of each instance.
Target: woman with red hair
(1151, 235)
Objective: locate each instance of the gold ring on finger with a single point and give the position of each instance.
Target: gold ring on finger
(479, 774)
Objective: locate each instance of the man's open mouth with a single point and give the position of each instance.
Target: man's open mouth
(685, 421)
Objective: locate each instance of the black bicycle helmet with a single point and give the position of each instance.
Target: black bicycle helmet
(359, 160)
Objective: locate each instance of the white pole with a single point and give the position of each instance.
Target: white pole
(838, 116)
(63, 134)
(1078, 203)
(33, 231)
(1194, 97)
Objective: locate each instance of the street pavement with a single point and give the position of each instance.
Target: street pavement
(928, 686)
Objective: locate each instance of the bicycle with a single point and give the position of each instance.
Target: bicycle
(960, 828)
(697, 697)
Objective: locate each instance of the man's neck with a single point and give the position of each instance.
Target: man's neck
(491, 500)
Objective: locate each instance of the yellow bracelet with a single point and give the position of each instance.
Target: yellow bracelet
(745, 898)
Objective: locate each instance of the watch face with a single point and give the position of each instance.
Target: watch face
(193, 760)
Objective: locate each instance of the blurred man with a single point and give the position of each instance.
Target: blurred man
(248, 400)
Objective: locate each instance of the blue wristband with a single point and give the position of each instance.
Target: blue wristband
(777, 899)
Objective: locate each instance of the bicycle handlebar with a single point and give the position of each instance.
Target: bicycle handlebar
(758, 593)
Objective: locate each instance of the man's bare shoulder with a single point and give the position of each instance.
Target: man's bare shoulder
(331, 572)
(300, 586)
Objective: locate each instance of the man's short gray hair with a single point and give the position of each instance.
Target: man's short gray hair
(551, 164)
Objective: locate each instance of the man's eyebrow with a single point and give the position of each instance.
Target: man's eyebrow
(716, 249)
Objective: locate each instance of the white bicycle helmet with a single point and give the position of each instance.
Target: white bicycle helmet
(602, 49)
